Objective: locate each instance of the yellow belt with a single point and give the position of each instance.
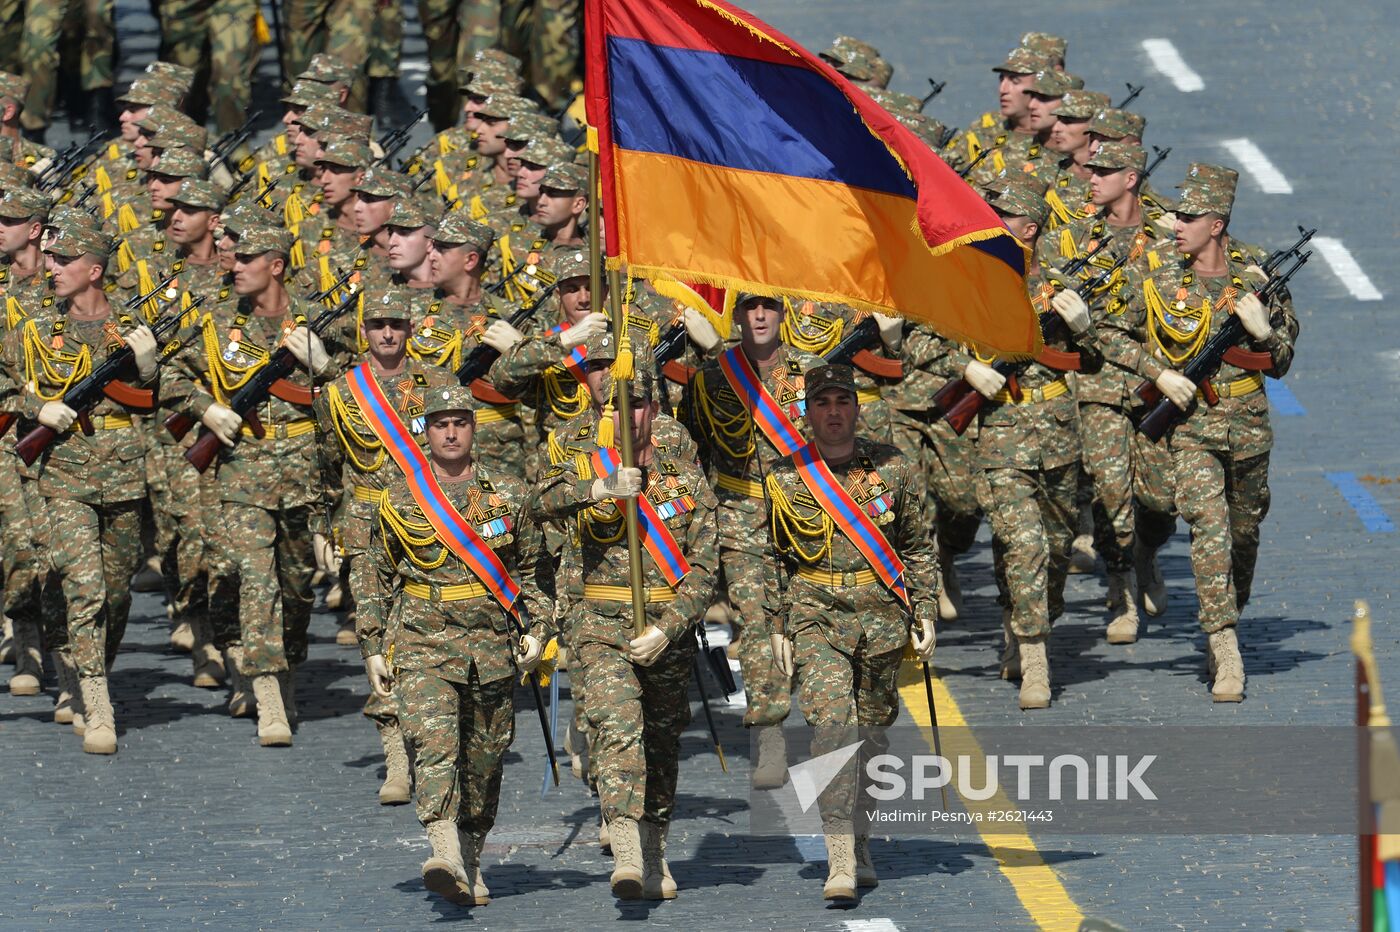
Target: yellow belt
(1036, 395)
(364, 493)
(742, 486)
(846, 580)
(284, 431)
(623, 594)
(489, 414)
(1238, 388)
(867, 395)
(107, 422)
(432, 592)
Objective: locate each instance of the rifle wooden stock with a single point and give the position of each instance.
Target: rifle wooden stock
(7, 420)
(677, 372)
(205, 448)
(179, 424)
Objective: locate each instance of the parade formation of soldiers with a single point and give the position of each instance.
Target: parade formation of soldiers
(250, 368)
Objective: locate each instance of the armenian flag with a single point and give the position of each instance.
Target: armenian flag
(731, 156)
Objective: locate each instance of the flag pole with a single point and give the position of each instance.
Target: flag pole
(623, 388)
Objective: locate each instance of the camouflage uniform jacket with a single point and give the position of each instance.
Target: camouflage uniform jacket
(25, 152)
(324, 241)
(989, 131)
(1068, 195)
(443, 636)
(449, 141)
(677, 488)
(884, 482)
(533, 371)
(28, 291)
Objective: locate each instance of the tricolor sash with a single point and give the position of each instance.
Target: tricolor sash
(656, 537)
(573, 362)
(851, 519)
(765, 411)
(452, 529)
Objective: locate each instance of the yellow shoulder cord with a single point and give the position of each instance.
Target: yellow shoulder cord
(998, 161)
(42, 362)
(447, 356)
(1069, 249)
(126, 219)
(1058, 208)
(724, 428)
(974, 146)
(225, 378)
(108, 208)
(445, 144)
(102, 179)
(125, 254)
(800, 533)
(279, 144)
(293, 211)
(1159, 320)
(827, 334)
(411, 536)
(555, 447)
(146, 284)
(13, 312)
(345, 418)
(567, 397)
(442, 182)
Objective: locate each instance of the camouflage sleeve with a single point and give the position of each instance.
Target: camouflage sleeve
(689, 415)
(13, 397)
(373, 578)
(1122, 328)
(181, 380)
(697, 589)
(1090, 348)
(915, 547)
(1280, 342)
(331, 456)
(533, 567)
(564, 490)
(518, 368)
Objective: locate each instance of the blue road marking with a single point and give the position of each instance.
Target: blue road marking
(1285, 403)
(1367, 508)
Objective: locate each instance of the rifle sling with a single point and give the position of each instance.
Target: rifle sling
(483, 390)
(1059, 360)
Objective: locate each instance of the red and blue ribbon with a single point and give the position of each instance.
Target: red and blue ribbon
(574, 362)
(766, 413)
(655, 536)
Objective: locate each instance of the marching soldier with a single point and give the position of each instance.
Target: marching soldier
(16, 148)
(996, 131)
(94, 29)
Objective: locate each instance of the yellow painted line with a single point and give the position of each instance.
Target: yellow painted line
(1036, 885)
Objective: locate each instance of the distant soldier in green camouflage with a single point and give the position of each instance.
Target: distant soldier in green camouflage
(995, 131)
(215, 38)
(93, 23)
(1068, 194)
(433, 634)
(338, 28)
(834, 627)
(385, 101)
(554, 68)
(455, 30)
(14, 147)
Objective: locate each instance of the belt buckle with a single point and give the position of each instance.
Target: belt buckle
(1037, 395)
(848, 579)
(434, 592)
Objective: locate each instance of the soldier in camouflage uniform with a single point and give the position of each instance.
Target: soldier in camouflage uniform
(354, 461)
(432, 633)
(14, 147)
(995, 131)
(860, 61)
(92, 486)
(561, 204)
(834, 627)
(636, 684)
(338, 28)
(554, 66)
(269, 508)
(737, 456)
(93, 22)
(385, 101)
(455, 31)
(1219, 452)
(215, 39)
(1068, 194)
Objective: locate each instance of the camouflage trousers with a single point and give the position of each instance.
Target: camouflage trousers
(91, 24)
(743, 534)
(1154, 492)
(11, 35)
(383, 712)
(1223, 501)
(454, 30)
(340, 28)
(948, 463)
(33, 599)
(95, 550)
(460, 733)
(553, 63)
(215, 38)
(1107, 433)
(385, 40)
(271, 551)
(838, 694)
(637, 715)
(1033, 516)
(200, 580)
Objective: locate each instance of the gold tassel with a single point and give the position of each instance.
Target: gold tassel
(623, 368)
(262, 35)
(479, 211)
(549, 659)
(126, 219)
(107, 207)
(13, 312)
(124, 256)
(1067, 247)
(445, 147)
(605, 426)
(297, 257)
(103, 180)
(293, 212)
(441, 180)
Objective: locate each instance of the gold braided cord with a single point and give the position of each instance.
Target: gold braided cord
(345, 417)
(818, 345)
(567, 397)
(14, 313)
(447, 356)
(411, 536)
(789, 524)
(1157, 323)
(725, 428)
(42, 360)
(219, 369)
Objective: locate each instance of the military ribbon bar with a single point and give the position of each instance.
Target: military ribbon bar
(765, 411)
(851, 519)
(452, 529)
(656, 537)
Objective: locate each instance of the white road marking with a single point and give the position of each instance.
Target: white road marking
(1166, 59)
(1345, 267)
(1253, 160)
(871, 925)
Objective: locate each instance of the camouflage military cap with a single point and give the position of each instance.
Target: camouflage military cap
(345, 151)
(421, 210)
(1050, 83)
(76, 239)
(602, 353)
(242, 214)
(152, 89)
(1024, 61)
(258, 238)
(165, 128)
(457, 228)
(311, 94)
(327, 69)
(567, 263)
(1043, 43)
(199, 194)
(1081, 105)
(12, 176)
(180, 162)
(836, 376)
(21, 203)
(387, 303)
(379, 181)
(547, 150)
(1112, 123)
(451, 398)
(1015, 200)
(506, 106)
(565, 176)
(1208, 189)
(328, 118)
(478, 84)
(509, 61)
(68, 215)
(179, 74)
(1114, 154)
(852, 63)
(896, 102)
(530, 126)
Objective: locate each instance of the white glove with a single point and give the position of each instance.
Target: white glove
(1177, 387)
(699, 329)
(57, 416)
(924, 640)
(982, 377)
(223, 421)
(1254, 316)
(308, 349)
(1072, 310)
(891, 331)
(625, 482)
(380, 679)
(583, 331)
(644, 650)
(143, 344)
(528, 651)
(328, 559)
(501, 336)
(782, 653)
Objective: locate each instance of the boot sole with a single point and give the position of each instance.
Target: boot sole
(442, 882)
(627, 888)
(1227, 697)
(1122, 638)
(395, 798)
(207, 681)
(841, 896)
(770, 784)
(24, 689)
(867, 883)
(275, 741)
(1027, 705)
(657, 893)
(99, 745)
